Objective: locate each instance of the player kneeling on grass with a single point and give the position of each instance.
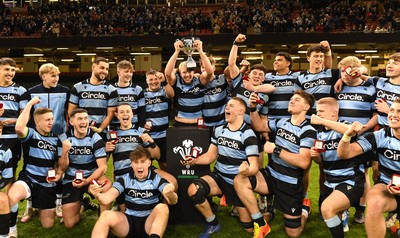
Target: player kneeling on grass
(145, 215)
(40, 152)
(234, 146)
(384, 196)
(344, 179)
(83, 158)
(6, 174)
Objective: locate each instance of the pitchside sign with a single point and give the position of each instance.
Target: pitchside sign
(183, 141)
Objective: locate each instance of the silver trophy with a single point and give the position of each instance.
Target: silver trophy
(188, 48)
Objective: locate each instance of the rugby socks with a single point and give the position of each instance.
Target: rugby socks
(360, 207)
(212, 220)
(59, 199)
(28, 203)
(4, 224)
(13, 216)
(335, 227)
(258, 218)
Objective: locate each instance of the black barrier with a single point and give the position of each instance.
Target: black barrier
(182, 141)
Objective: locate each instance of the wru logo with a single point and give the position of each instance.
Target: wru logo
(186, 149)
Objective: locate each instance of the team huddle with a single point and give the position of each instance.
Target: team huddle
(341, 118)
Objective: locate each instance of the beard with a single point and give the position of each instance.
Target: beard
(98, 77)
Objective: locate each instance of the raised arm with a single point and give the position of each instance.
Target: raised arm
(169, 91)
(327, 55)
(169, 69)
(208, 73)
(20, 127)
(333, 125)
(233, 69)
(258, 123)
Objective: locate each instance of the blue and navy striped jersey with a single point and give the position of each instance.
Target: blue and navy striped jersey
(292, 138)
(83, 154)
(157, 112)
(320, 85)
(215, 98)
(6, 166)
(241, 92)
(349, 171)
(356, 103)
(387, 91)
(94, 98)
(189, 98)
(279, 100)
(128, 140)
(40, 155)
(54, 98)
(387, 147)
(140, 196)
(11, 97)
(132, 94)
(234, 147)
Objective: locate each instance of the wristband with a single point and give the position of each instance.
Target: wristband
(235, 43)
(346, 138)
(153, 145)
(277, 150)
(253, 109)
(329, 53)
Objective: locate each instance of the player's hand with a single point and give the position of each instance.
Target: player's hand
(190, 159)
(240, 38)
(382, 106)
(80, 184)
(316, 120)
(269, 147)
(244, 168)
(96, 129)
(110, 146)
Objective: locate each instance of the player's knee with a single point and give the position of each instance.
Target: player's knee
(239, 181)
(162, 208)
(202, 189)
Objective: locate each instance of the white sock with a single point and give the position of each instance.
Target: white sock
(13, 228)
(28, 204)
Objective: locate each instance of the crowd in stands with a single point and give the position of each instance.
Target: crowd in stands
(254, 17)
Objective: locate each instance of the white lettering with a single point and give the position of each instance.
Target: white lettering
(80, 151)
(281, 83)
(7, 97)
(332, 145)
(126, 98)
(314, 84)
(287, 136)
(128, 139)
(229, 143)
(388, 97)
(187, 172)
(391, 155)
(351, 97)
(150, 101)
(90, 95)
(247, 93)
(194, 90)
(213, 91)
(136, 194)
(46, 146)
